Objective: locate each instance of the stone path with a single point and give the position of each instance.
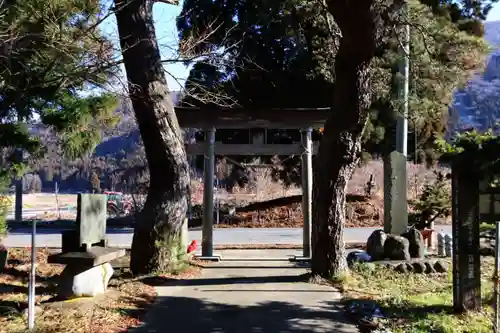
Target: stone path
(251, 296)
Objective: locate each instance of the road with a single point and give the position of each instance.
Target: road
(230, 236)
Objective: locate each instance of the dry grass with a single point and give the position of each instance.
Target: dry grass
(263, 188)
(419, 303)
(47, 200)
(121, 308)
(418, 176)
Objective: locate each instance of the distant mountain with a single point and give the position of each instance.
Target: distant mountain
(478, 105)
(124, 138)
(492, 33)
(118, 159)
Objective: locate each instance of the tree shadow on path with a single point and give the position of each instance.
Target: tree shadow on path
(196, 311)
(193, 315)
(158, 281)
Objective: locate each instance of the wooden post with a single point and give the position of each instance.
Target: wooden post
(307, 191)
(466, 257)
(431, 244)
(307, 180)
(208, 197)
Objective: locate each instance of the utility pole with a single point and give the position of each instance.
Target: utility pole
(395, 173)
(403, 89)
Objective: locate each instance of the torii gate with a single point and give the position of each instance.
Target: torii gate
(210, 119)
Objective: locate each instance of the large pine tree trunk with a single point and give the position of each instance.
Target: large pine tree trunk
(157, 232)
(340, 146)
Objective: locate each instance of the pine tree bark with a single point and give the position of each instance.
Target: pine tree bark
(157, 232)
(362, 26)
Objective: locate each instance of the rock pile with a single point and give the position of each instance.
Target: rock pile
(382, 246)
(421, 266)
(405, 253)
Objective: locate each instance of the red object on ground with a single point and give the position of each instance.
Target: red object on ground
(426, 233)
(192, 247)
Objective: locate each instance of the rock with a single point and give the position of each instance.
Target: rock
(418, 267)
(396, 248)
(357, 256)
(409, 267)
(375, 245)
(6, 310)
(441, 266)
(389, 266)
(429, 269)
(84, 282)
(401, 268)
(416, 240)
(368, 323)
(38, 310)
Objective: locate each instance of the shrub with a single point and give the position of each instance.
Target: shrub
(433, 203)
(5, 203)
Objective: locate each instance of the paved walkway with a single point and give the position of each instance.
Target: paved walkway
(248, 297)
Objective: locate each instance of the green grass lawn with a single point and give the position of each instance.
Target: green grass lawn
(419, 303)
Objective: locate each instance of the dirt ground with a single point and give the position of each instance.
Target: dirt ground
(287, 213)
(122, 307)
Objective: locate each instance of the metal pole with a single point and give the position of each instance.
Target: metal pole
(402, 116)
(19, 190)
(307, 179)
(217, 202)
(31, 288)
(496, 321)
(208, 195)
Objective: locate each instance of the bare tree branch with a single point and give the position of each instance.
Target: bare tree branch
(169, 2)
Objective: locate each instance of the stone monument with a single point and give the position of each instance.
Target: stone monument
(85, 252)
(395, 195)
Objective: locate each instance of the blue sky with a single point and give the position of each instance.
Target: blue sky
(166, 31)
(494, 14)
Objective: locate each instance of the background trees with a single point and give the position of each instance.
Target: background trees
(282, 55)
(50, 52)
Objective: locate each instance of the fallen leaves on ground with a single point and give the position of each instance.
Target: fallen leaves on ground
(122, 307)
